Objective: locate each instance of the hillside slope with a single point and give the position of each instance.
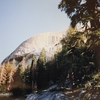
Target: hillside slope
(35, 44)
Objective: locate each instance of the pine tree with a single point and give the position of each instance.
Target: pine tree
(82, 11)
(41, 69)
(17, 81)
(3, 77)
(85, 12)
(75, 61)
(42, 58)
(22, 66)
(11, 71)
(33, 73)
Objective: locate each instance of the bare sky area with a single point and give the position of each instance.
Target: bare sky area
(22, 19)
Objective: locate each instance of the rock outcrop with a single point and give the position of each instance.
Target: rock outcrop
(35, 44)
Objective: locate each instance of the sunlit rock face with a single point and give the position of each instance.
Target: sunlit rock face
(34, 45)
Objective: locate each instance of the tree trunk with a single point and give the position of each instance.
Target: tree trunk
(97, 54)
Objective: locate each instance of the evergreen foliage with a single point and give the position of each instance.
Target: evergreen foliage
(3, 78)
(33, 73)
(83, 52)
(75, 62)
(41, 67)
(13, 77)
(82, 11)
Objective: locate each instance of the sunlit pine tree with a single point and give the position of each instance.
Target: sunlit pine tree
(12, 71)
(3, 77)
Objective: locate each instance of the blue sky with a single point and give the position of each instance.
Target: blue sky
(22, 19)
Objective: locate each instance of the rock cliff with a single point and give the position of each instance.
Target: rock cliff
(35, 44)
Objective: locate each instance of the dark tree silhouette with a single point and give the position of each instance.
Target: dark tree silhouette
(82, 11)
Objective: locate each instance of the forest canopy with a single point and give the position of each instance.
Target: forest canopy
(82, 11)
